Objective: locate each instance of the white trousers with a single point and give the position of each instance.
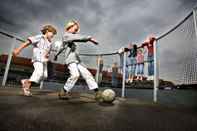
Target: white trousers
(40, 72)
(75, 71)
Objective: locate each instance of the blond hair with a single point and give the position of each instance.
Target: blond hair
(49, 28)
(71, 23)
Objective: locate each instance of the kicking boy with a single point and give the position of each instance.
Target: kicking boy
(73, 61)
(41, 50)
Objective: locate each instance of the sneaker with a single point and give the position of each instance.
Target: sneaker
(150, 78)
(98, 96)
(63, 94)
(131, 81)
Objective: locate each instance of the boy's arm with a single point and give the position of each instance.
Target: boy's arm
(21, 47)
(94, 41)
(145, 43)
(69, 37)
(78, 38)
(31, 40)
(63, 47)
(58, 53)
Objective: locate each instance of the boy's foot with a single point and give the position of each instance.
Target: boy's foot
(24, 83)
(64, 94)
(26, 91)
(98, 96)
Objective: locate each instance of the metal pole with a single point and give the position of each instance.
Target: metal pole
(124, 75)
(195, 21)
(156, 72)
(195, 28)
(97, 72)
(8, 62)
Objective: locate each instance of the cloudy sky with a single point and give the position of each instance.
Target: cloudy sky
(114, 23)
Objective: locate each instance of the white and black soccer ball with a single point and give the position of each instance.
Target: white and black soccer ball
(108, 95)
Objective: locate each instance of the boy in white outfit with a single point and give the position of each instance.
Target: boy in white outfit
(41, 50)
(70, 38)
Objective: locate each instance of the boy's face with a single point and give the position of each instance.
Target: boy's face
(74, 29)
(49, 35)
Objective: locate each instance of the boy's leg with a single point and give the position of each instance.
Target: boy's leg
(74, 76)
(114, 79)
(36, 77)
(145, 71)
(45, 71)
(151, 74)
(152, 68)
(88, 77)
(38, 73)
(134, 70)
(138, 71)
(142, 71)
(150, 65)
(26, 85)
(45, 75)
(90, 81)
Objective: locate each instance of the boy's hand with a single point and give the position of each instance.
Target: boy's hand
(94, 41)
(22, 46)
(55, 58)
(16, 52)
(47, 55)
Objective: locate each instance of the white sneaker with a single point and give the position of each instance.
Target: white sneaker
(127, 80)
(150, 77)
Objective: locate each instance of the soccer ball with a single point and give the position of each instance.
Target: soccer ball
(108, 95)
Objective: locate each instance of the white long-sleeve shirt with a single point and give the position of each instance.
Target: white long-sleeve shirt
(69, 40)
(41, 48)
